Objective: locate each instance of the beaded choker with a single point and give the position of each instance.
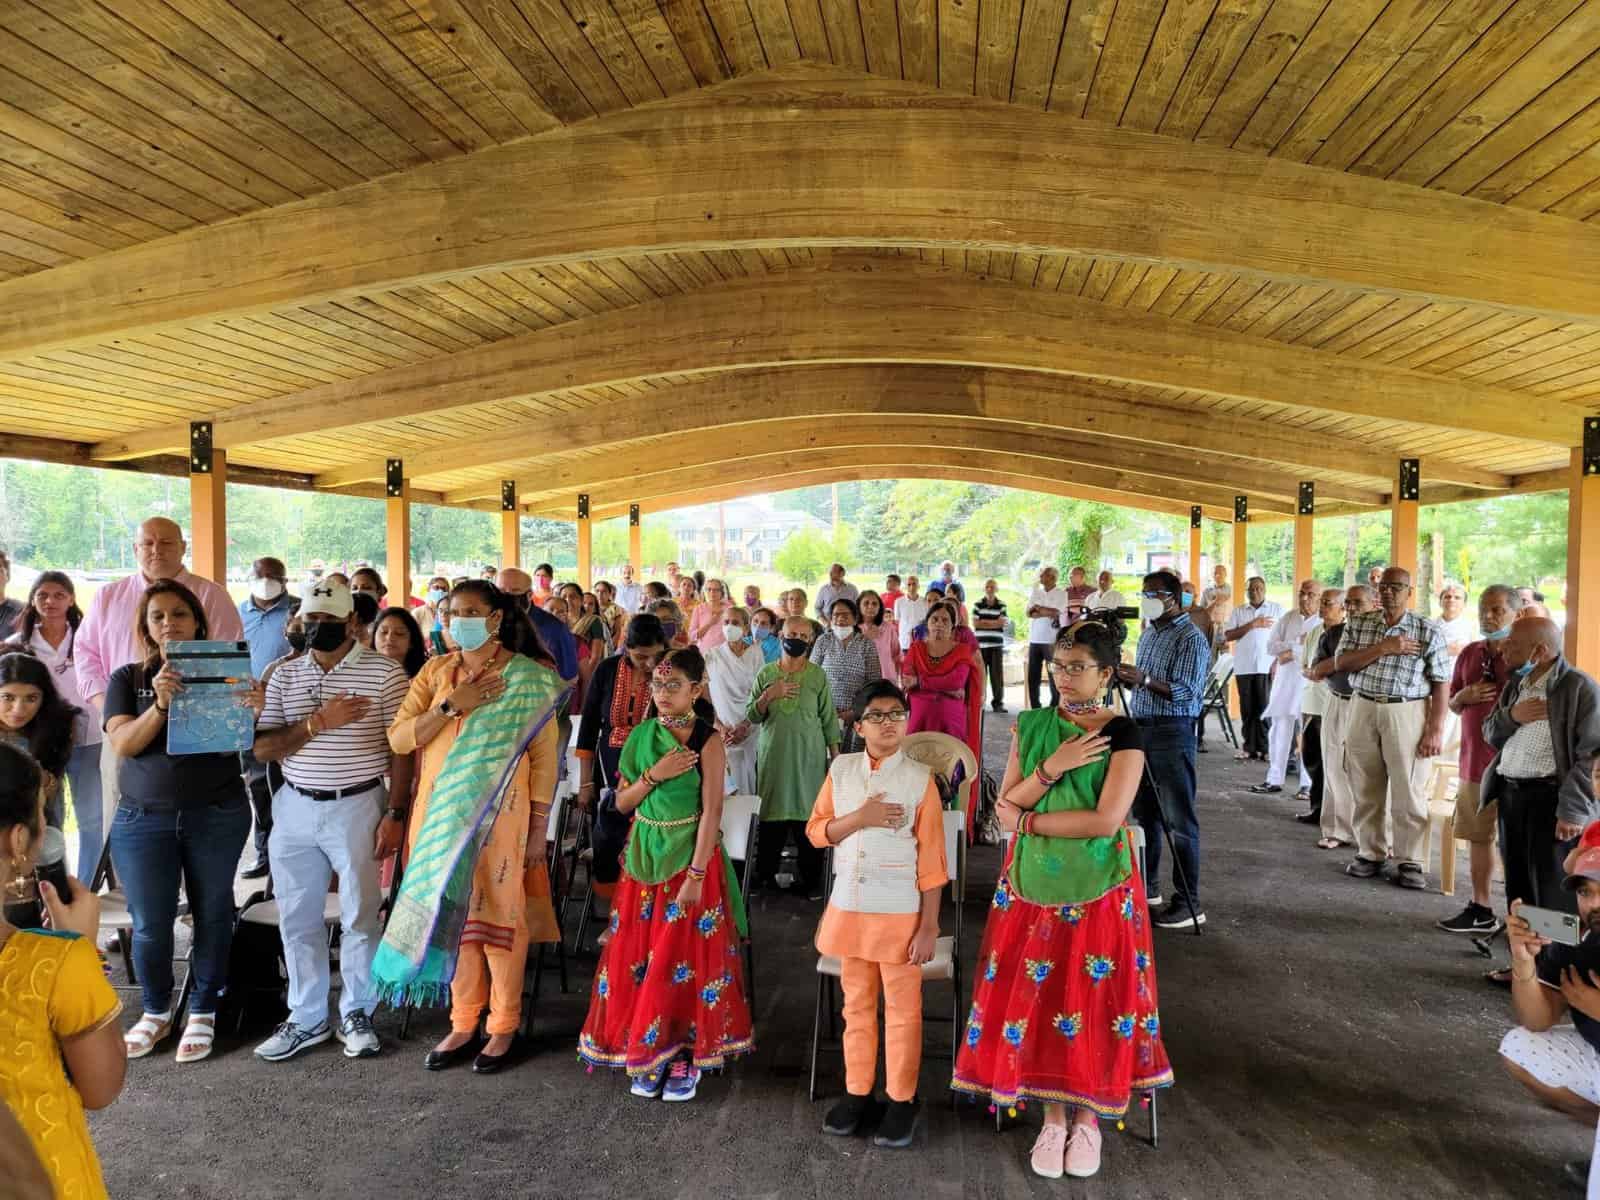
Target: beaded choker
(682, 722)
(1080, 708)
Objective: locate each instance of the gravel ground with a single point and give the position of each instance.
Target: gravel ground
(1327, 1041)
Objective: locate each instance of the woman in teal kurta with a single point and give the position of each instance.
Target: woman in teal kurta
(798, 717)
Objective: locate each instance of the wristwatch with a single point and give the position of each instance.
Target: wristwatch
(446, 709)
(396, 814)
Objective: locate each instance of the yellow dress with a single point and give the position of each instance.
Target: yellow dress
(52, 989)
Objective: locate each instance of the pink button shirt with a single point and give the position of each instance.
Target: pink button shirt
(107, 640)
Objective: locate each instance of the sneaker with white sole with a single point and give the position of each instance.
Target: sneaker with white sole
(649, 1086)
(358, 1036)
(1176, 915)
(1474, 919)
(1049, 1151)
(682, 1081)
(1083, 1152)
(1153, 900)
(289, 1039)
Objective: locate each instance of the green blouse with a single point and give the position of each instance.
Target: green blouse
(667, 823)
(1057, 870)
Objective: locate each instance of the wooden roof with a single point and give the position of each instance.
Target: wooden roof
(1155, 251)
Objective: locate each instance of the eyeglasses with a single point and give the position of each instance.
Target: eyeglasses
(1072, 668)
(667, 687)
(884, 716)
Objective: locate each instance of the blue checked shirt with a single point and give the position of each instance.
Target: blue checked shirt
(1178, 653)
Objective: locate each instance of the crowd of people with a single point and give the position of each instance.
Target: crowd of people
(411, 750)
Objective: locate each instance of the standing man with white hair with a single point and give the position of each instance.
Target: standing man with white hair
(107, 639)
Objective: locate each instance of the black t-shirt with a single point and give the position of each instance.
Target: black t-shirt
(1554, 959)
(10, 613)
(1122, 733)
(1327, 647)
(153, 778)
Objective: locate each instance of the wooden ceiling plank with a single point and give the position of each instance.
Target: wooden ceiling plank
(1177, 36)
(1234, 297)
(1563, 121)
(958, 45)
(619, 286)
(153, 363)
(1253, 310)
(453, 22)
(1513, 34)
(736, 30)
(643, 21)
(1314, 316)
(1177, 292)
(998, 34)
(227, 43)
(320, 325)
(1100, 278)
(775, 32)
(284, 337)
(1233, 23)
(583, 296)
(1352, 338)
(1554, 192)
(1457, 320)
(178, 350)
(75, 207)
(1559, 344)
(548, 23)
(68, 232)
(1082, 43)
(603, 30)
(35, 255)
(61, 93)
(1545, 367)
(505, 29)
(1211, 286)
(1039, 38)
(140, 67)
(1376, 51)
(1133, 27)
(691, 29)
(1497, 331)
(528, 288)
(490, 306)
(1515, 87)
(25, 161)
(657, 280)
(1418, 68)
(413, 320)
(805, 16)
(1074, 274)
(1582, 205)
(351, 324)
(1275, 40)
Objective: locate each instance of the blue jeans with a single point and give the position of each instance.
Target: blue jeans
(83, 780)
(151, 848)
(1169, 759)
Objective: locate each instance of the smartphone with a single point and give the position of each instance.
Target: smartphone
(1556, 926)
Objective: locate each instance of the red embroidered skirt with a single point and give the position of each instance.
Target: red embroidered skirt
(1064, 1007)
(670, 980)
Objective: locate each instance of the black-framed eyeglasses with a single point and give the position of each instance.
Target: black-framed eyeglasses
(1394, 587)
(1072, 668)
(884, 716)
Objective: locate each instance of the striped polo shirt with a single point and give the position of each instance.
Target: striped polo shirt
(353, 753)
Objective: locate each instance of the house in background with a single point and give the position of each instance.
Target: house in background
(739, 533)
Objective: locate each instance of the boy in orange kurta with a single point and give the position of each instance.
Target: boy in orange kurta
(880, 811)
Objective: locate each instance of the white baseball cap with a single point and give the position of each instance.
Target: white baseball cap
(329, 597)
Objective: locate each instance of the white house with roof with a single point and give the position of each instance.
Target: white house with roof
(748, 532)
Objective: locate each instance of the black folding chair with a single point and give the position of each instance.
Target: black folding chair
(1215, 700)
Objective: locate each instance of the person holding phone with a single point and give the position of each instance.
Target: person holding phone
(58, 1015)
(1557, 1063)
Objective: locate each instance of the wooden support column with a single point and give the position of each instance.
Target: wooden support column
(208, 506)
(1303, 531)
(397, 530)
(510, 525)
(1239, 571)
(635, 542)
(1583, 552)
(1403, 505)
(1195, 518)
(585, 542)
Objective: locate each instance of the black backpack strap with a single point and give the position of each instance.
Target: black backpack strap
(700, 735)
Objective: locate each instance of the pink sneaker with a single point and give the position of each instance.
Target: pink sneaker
(1049, 1150)
(1083, 1151)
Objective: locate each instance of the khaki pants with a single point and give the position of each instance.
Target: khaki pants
(900, 984)
(1389, 778)
(492, 976)
(1338, 799)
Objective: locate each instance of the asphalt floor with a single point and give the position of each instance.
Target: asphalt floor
(1327, 1041)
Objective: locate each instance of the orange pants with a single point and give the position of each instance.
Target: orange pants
(488, 975)
(901, 987)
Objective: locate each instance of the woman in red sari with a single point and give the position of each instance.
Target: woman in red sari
(944, 679)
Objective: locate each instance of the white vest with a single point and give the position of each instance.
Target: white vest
(875, 870)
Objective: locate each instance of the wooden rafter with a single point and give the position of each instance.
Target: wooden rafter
(892, 310)
(813, 156)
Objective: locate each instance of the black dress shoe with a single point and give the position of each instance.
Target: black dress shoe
(490, 1064)
(259, 871)
(1265, 789)
(1575, 1174)
(1309, 818)
(438, 1060)
(845, 1117)
(899, 1125)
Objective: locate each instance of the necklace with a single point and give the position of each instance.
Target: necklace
(682, 722)
(1080, 708)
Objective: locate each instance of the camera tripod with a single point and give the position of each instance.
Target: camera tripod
(1119, 693)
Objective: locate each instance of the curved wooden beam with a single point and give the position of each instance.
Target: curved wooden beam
(883, 310)
(825, 157)
(892, 461)
(1056, 402)
(798, 435)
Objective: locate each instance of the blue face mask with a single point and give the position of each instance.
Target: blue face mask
(1499, 635)
(1188, 599)
(1524, 669)
(470, 633)
(436, 594)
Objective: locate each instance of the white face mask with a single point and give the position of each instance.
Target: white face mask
(1150, 607)
(732, 634)
(842, 632)
(266, 589)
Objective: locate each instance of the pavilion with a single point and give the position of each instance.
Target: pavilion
(1247, 260)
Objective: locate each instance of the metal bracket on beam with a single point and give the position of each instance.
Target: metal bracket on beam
(1410, 479)
(394, 475)
(583, 506)
(508, 495)
(200, 448)
(1308, 497)
(1591, 445)
(1241, 509)
(633, 514)
(1194, 516)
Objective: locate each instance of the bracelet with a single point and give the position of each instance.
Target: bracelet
(1045, 780)
(649, 780)
(696, 872)
(1022, 824)
(159, 709)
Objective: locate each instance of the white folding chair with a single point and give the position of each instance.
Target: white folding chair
(741, 818)
(944, 965)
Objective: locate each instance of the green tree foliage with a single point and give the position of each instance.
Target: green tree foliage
(806, 554)
(611, 543)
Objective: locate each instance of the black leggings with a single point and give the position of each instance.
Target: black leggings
(770, 840)
(994, 658)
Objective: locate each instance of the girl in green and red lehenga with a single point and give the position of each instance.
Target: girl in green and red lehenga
(1064, 1008)
(669, 998)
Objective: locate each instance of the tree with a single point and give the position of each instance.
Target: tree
(610, 546)
(806, 554)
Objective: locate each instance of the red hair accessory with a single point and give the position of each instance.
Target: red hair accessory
(664, 668)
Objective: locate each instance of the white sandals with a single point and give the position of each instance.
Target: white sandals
(199, 1032)
(147, 1033)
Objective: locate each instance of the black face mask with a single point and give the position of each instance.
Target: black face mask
(796, 647)
(296, 640)
(522, 600)
(326, 636)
